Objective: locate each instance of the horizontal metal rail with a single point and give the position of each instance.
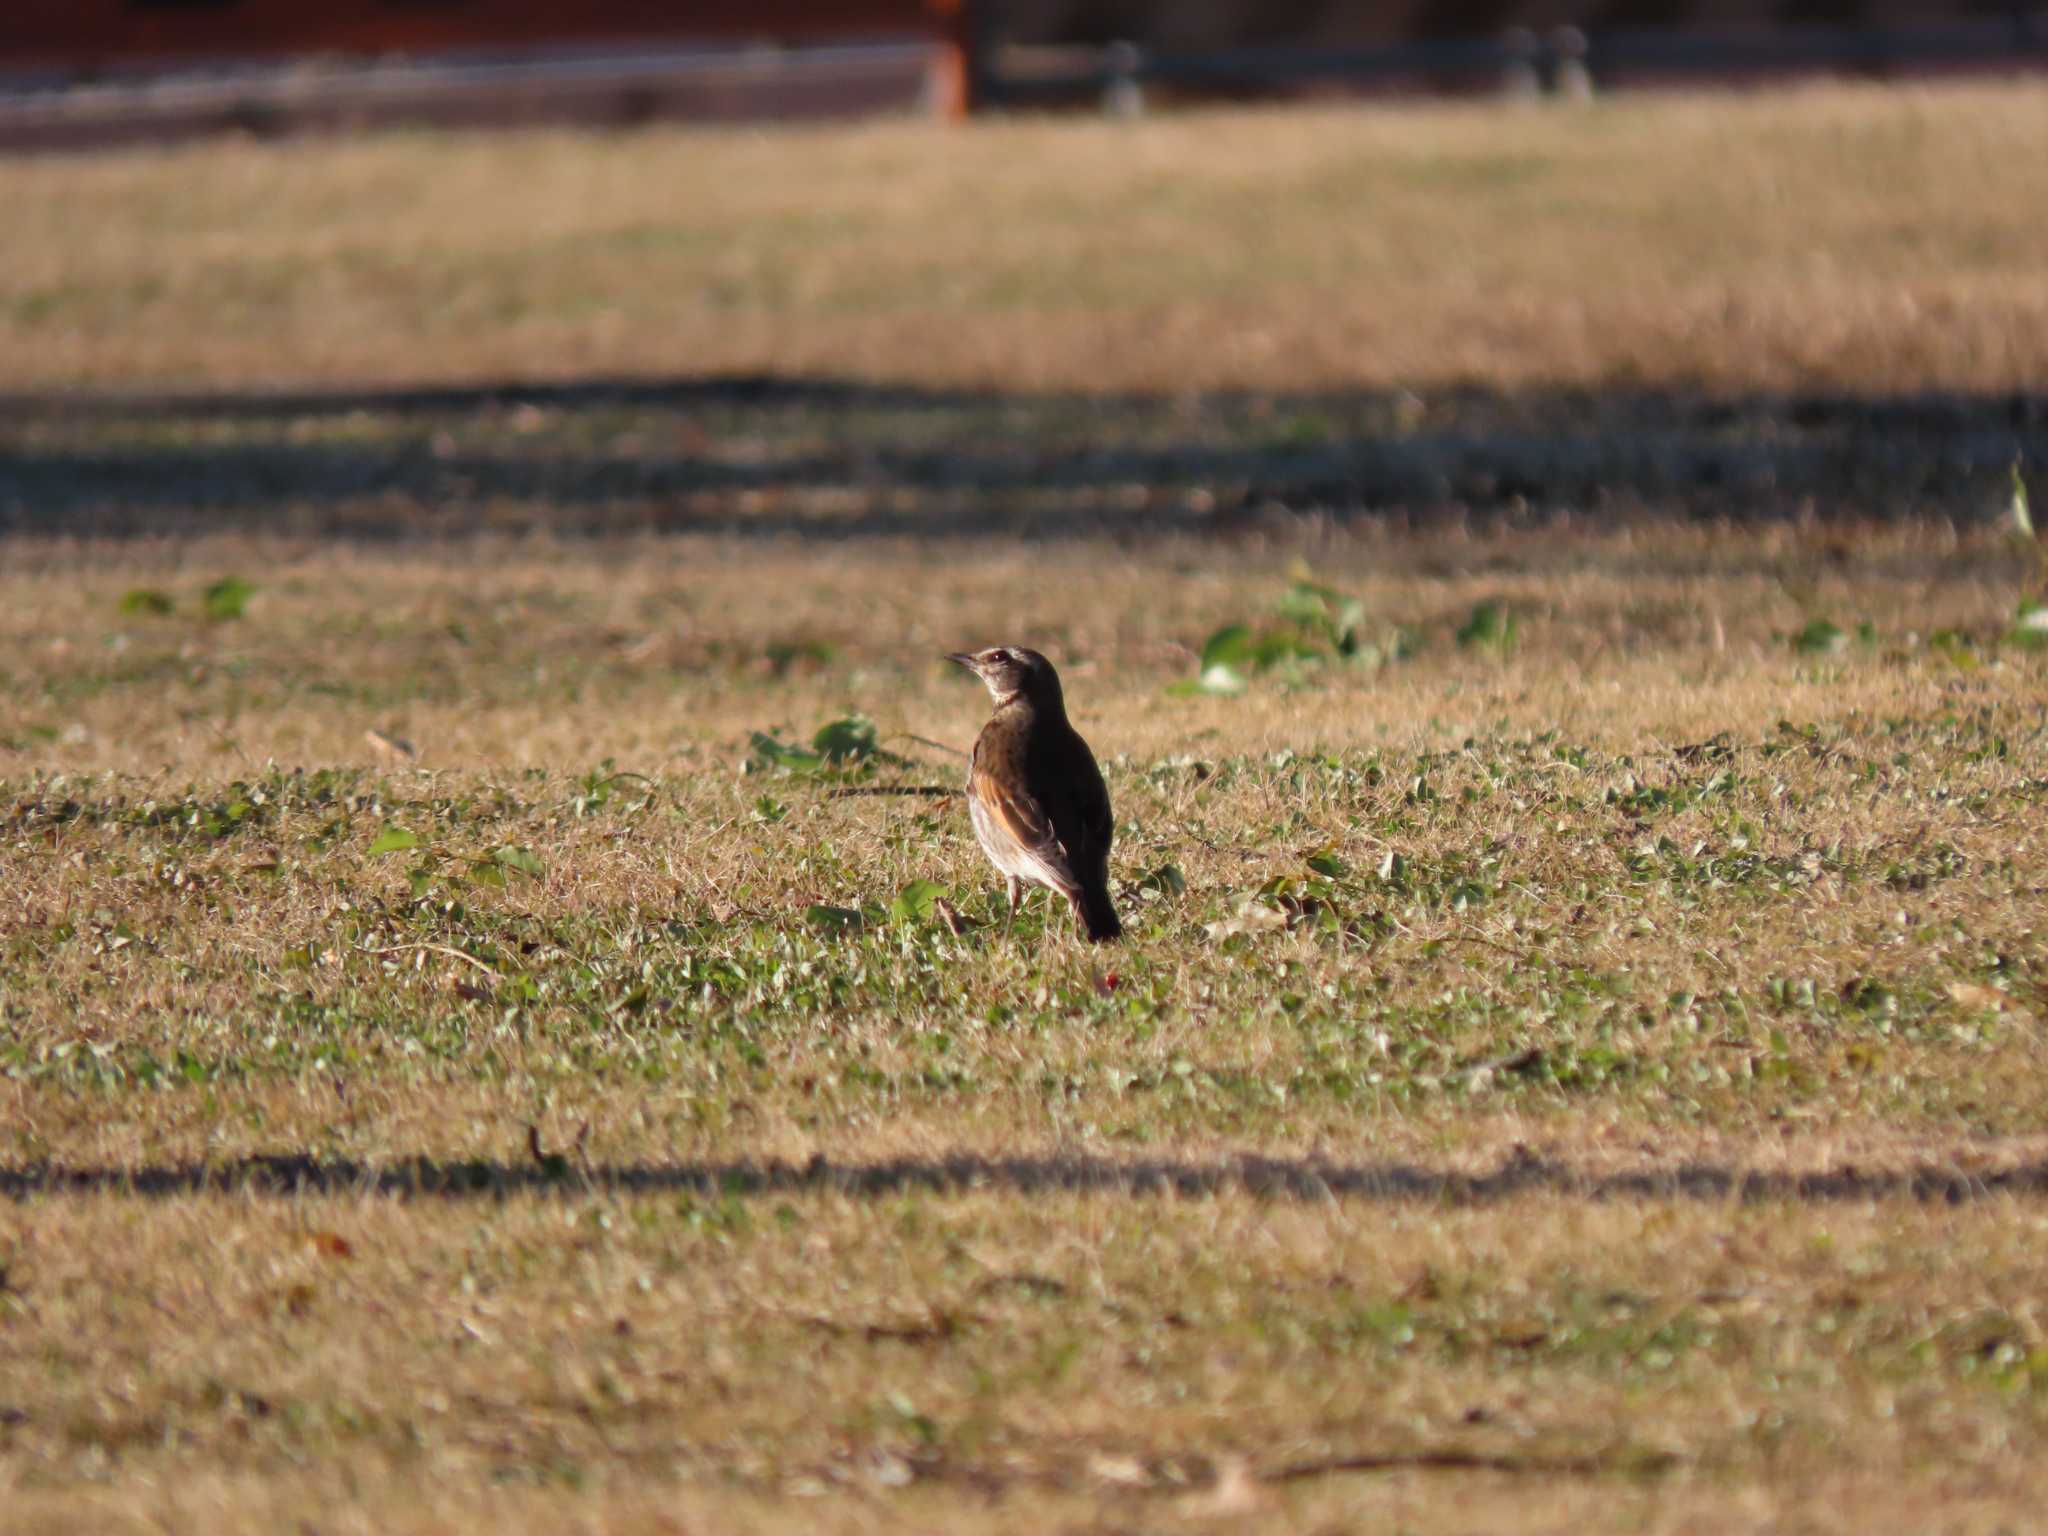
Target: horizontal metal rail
(595, 88)
(1044, 77)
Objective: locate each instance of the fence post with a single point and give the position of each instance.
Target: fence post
(956, 78)
(1123, 96)
(1571, 77)
(1520, 78)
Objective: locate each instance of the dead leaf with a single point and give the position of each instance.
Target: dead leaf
(1236, 1491)
(1252, 917)
(891, 1471)
(333, 1244)
(1119, 1471)
(1978, 998)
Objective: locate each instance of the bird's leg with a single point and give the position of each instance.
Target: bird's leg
(1016, 900)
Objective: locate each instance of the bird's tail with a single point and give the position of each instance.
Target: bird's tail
(1096, 916)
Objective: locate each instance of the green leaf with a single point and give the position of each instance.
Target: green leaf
(1307, 604)
(844, 746)
(1167, 880)
(1275, 649)
(1231, 646)
(394, 840)
(1954, 647)
(1821, 638)
(1490, 628)
(835, 920)
(914, 903)
(521, 859)
(768, 752)
(2029, 629)
(227, 598)
(1324, 613)
(1215, 680)
(145, 600)
(1349, 621)
(1320, 625)
(848, 740)
(784, 654)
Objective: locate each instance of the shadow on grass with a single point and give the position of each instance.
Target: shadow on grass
(1300, 1179)
(830, 458)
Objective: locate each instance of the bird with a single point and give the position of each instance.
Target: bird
(1040, 809)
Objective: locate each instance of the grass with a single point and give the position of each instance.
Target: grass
(1827, 239)
(991, 1362)
(1650, 887)
(467, 1056)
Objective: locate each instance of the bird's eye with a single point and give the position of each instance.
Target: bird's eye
(999, 655)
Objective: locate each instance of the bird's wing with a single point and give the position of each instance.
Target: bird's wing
(1023, 821)
(1075, 802)
(1091, 803)
(1078, 805)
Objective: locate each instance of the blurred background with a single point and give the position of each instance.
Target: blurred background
(1050, 266)
(102, 69)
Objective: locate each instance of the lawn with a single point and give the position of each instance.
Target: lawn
(502, 1016)
(1860, 240)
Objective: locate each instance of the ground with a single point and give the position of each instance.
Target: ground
(502, 1017)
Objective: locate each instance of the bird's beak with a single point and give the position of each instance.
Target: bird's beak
(965, 658)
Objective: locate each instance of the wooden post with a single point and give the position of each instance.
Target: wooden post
(967, 38)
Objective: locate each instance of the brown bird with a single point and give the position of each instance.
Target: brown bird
(1040, 809)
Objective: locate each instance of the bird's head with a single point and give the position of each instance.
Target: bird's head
(1008, 671)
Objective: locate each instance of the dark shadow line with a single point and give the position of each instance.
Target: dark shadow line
(834, 460)
(1649, 460)
(1304, 1179)
(860, 791)
(301, 488)
(795, 391)
(1927, 409)
(1473, 1461)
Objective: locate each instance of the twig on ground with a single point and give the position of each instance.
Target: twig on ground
(439, 949)
(933, 791)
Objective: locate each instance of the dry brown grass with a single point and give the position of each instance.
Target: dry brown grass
(1833, 238)
(985, 1362)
